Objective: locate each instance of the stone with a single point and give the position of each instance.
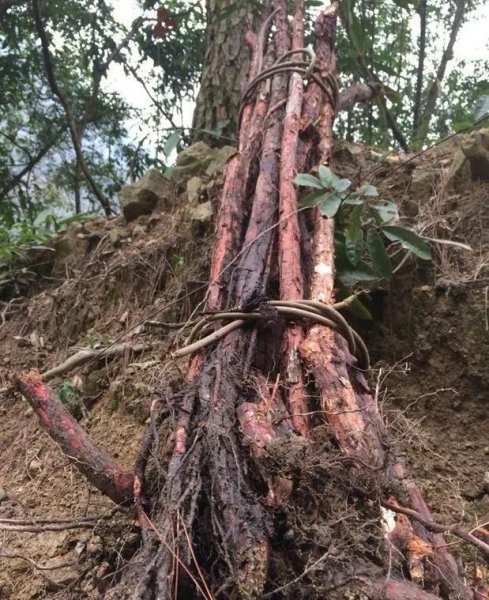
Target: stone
(194, 187)
(222, 156)
(3, 495)
(459, 171)
(117, 234)
(202, 212)
(475, 147)
(421, 183)
(142, 197)
(201, 217)
(35, 466)
(192, 161)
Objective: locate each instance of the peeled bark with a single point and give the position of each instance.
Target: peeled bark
(94, 462)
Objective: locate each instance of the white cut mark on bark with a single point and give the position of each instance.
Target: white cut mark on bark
(323, 269)
(388, 520)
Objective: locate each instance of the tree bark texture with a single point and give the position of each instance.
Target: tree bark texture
(225, 68)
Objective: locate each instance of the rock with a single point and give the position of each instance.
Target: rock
(194, 187)
(193, 161)
(202, 212)
(35, 467)
(3, 495)
(421, 183)
(142, 197)
(201, 217)
(220, 160)
(200, 159)
(117, 234)
(475, 147)
(459, 171)
(71, 246)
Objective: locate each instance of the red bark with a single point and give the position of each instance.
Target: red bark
(291, 277)
(94, 462)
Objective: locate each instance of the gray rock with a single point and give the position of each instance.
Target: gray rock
(222, 155)
(202, 212)
(193, 161)
(200, 159)
(475, 146)
(142, 197)
(194, 186)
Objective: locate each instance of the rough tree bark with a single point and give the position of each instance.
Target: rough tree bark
(249, 504)
(226, 64)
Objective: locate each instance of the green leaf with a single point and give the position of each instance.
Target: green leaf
(378, 254)
(329, 207)
(355, 306)
(171, 143)
(387, 211)
(314, 198)
(409, 240)
(306, 180)
(367, 190)
(326, 176)
(341, 185)
(354, 236)
(67, 391)
(362, 272)
(353, 199)
(358, 309)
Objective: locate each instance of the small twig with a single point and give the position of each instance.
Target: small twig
(13, 555)
(166, 325)
(88, 354)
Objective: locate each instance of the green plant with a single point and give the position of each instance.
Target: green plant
(70, 396)
(99, 340)
(368, 232)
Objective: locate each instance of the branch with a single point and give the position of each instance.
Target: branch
(371, 76)
(88, 354)
(13, 555)
(6, 4)
(53, 524)
(10, 184)
(48, 65)
(100, 71)
(359, 92)
(434, 91)
(94, 462)
(421, 57)
(466, 536)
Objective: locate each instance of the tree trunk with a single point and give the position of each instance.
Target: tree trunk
(226, 65)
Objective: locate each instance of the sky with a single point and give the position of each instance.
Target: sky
(472, 43)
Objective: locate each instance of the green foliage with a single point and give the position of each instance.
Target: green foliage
(99, 340)
(381, 47)
(70, 397)
(364, 225)
(20, 240)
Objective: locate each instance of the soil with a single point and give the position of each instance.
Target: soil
(428, 339)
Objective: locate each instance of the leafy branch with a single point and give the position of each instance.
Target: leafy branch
(367, 227)
(70, 118)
